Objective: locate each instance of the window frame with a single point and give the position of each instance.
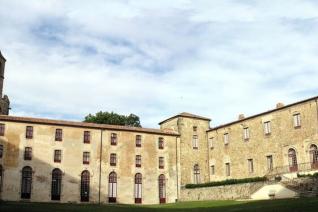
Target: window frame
(2, 129)
(27, 153)
(195, 142)
(161, 162)
(250, 163)
(267, 128)
(161, 143)
(138, 140)
(59, 134)
(113, 139)
(113, 159)
(138, 161)
(228, 169)
(57, 156)
(1, 151)
(29, 132)
(226, 139)
(86, 158)
(87, 137)
(297, 120)
(246, 133)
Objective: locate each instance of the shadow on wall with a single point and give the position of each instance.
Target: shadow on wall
(25, 177)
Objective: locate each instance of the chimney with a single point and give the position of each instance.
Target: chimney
(279, 105)
(241, 116)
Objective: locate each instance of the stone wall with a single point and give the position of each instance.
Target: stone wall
(283, 136)
(227, 192)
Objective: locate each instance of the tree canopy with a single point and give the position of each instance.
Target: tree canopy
(101, 117)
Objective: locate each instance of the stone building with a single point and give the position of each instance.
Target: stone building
(4, 100)
(47, 160)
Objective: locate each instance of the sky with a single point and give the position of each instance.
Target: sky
(155, 59)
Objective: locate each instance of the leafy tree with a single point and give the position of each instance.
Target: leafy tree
(114, 119)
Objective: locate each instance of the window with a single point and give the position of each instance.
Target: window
(1, 150)
(292, 160)
(87, 137)
(2, 129)
(138, 140)
(160, 143)
(29, 132)
(113, 159)
(195, 142)
(85, 178)
(26, 182)
(113, 139)
(138, 160)
(57, 156)
(227, 169)
(196, 174)
(86, 157)
(211, 143)
(28, 153)
(112, 187)
(1, 178)
(313, 151)
(267, 128)
(138, 188)
(269, 159)
(250, 165)
(226, 139)
(212, 170)
(195, 129)
(296, 120)
(161, 163)
(56, 184)
(58, 135)
(246, 133)
(162, 189)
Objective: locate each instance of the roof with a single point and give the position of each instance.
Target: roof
(187, 115)
(84, 125)
(263, 113)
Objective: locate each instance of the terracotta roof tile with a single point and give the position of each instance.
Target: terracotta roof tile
(84, 125)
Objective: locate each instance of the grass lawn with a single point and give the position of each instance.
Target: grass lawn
(304, 205)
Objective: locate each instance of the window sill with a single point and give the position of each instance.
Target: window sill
(297, 127)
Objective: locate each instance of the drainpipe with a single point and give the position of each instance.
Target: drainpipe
(100, 164)
(317, 113)
(177, 168)
(208, 161)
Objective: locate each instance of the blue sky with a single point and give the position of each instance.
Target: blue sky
(218, 59)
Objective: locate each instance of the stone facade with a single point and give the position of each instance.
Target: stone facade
(283, 136)
(43, 144)
(4, 100)
(228, 192)
(275, 142)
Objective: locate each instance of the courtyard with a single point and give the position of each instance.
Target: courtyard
(299, 205)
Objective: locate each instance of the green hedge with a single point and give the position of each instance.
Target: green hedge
(227, 182)
(315, 175)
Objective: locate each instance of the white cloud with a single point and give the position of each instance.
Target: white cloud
(155, 59)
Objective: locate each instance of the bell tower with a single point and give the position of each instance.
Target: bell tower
(4, 100)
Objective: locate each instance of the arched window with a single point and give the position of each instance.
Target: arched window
(138, 188)
(26, 182)
(112, 187)
(1, 178)
(292, 160)
(85, 186)
(196, 174)
(162, 189)
(313, 151)
(56, 184)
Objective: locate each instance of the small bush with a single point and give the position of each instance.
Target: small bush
(227, 182)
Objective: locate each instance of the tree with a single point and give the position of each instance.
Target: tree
(113, 118)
